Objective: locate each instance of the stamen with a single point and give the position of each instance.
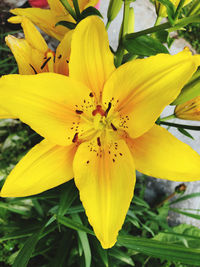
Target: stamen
(33, 69)
(108, 109)
(91, 94)
(44, 64)
(75, 138)
(113, 126)
(98, 141)
(79, 111)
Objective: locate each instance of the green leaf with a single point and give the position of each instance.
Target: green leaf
(90, 11)
(15, 209)
(73, 225)
(67, 24)
(161, 250)
(144, 46)
(184, 132)
(186, 197)
(121, 256)
(100, 252)
(25, 253)
(170, 9)
(192, 215)
(84, 241)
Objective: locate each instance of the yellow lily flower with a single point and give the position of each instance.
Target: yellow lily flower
(46, 19)
(189, 110)
(33, 55)
(99, 125)
(161, 9)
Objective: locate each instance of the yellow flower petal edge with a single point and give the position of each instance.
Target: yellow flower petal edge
(135, 87)
(45, 166)
(105, 178)
(91, 62)
(51, 97)
(159, 154)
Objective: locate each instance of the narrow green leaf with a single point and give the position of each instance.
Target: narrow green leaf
(73, 225)
(184, 132)
(15, 209)
(161, 250)
(170, 9)
(144, 46)
(84, 241)
(67, 24)
(90, 11)
(192, 215)
(185, 198)
(121, 256)
(25, 253)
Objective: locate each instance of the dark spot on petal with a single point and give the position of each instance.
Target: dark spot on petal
(79, 111)
(98, 141)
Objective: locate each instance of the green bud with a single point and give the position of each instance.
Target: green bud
(190, 90)
(113, 9)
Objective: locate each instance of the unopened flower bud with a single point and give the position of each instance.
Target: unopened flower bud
(189, 110)
(113, 9)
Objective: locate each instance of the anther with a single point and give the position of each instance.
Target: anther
(79, 111)
(108, 109)
(44, 64)
(98, 141)
(75, 138)
(59, 57)
(91, 94)
(113, 126)
(33, 69)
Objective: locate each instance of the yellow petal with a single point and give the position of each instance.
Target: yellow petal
(45, 19)
(57, 7)
(48, 103)
(91, 60)
(158, 153)
(63, 54)
(4, 114)
(105, 178)
(22, 53)
(45, 166)
(139, 90)
(32, 35)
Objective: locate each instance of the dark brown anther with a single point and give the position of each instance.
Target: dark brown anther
(113, 126)
(98, 141)
(59, 57)
(67, 61)
(75, 138)
(91, 94)
(79, 111)
(108, 109)
(44, 64)
(33, 69)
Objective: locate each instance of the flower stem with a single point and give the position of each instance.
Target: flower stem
(120, 49)
(172, 116)
(108, 24)
(177, 125)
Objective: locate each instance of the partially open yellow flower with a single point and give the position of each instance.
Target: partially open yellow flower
(161, 9)
(99, 126)
(33, 55)
(46, 19)
(189, 110)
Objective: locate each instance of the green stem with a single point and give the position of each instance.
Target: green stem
(76, 7)
(67, 6)
(108, 24)
(172, 116)
(177, 125)
(120, 49)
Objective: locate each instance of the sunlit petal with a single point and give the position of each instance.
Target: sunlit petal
(50, 103)
(104, 174)
(45, 166)
(139, 90)
(91, 60)
(158, 153)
